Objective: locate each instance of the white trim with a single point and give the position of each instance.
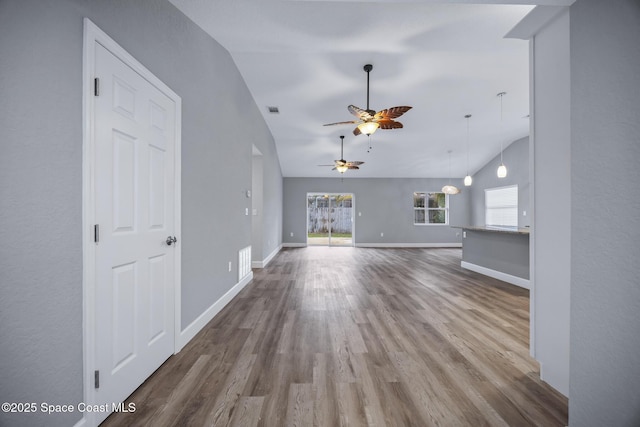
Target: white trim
(409, 245)
(538, 18)
(353, 215)
(532, 202)
(267, 260)
(294, 245)
(93, 35)
(202, 320)
(88, 248)
(427, 209)
(514, 280)
(82, 422)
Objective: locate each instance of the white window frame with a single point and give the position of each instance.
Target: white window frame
(509, 204)
(426, 209)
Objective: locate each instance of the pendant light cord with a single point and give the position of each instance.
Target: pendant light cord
(468, 116)
(501, 127)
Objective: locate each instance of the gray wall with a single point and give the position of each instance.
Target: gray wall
(386, 205)
(41, 179)
(551, 231)
(605, 219)
(504, 252)
(516, 159)
(257, 201)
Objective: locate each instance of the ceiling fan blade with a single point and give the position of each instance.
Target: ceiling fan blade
(343, 123)
(359, 112)
(391, 113)
(356, 131)
(325, 165)
(353, 167)
(389, 124)
(356, 163)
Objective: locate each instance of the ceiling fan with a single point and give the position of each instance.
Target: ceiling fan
(368, 120)
(342, 165)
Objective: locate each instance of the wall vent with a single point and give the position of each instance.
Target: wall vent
(244, 262)
(273, 110)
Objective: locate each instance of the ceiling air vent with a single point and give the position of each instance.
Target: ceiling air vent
(273, 110)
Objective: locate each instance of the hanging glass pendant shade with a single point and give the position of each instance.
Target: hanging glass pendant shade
(449, 188)
(368, 128)
(502, 171)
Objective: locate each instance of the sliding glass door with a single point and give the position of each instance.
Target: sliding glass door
(330, 219)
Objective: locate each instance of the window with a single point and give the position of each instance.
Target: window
(501, 206)
(430, 208)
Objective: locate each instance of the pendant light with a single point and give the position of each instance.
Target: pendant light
(502, 169)
(450, 189)
(467, 179)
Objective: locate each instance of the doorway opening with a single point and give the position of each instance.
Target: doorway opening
(330, 219)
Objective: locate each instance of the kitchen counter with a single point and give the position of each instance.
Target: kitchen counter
(493, 228)
(499, 252)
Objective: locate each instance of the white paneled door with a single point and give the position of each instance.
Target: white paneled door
(135, 256)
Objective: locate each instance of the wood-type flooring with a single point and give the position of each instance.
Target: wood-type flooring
(352, 337)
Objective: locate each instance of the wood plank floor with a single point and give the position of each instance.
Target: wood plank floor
(353, 337)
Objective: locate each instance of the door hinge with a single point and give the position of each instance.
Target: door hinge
(96, 378)
(96, 87)
(96, 233)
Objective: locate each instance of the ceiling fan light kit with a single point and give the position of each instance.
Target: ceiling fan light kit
(368, 120)
(342, 165)
(368, 128)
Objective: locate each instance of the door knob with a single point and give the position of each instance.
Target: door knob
(171, 239)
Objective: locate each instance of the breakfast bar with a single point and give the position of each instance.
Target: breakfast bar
(499, 252)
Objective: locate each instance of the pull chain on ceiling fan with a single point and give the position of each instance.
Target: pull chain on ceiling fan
(368, 120)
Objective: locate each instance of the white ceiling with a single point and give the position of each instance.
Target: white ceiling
(446, 60)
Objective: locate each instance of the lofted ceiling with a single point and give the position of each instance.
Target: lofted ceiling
(445, 59)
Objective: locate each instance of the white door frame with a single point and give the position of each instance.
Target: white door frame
(353, 214)
(92, 36)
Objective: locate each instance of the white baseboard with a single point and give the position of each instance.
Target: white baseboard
(514, 280)
(263, 263)
(409, 245)
(558, 382)
(201, 321)
(294, 245)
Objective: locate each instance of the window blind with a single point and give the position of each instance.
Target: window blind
(501, 206)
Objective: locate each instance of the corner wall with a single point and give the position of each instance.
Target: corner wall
(551, 231)
(41, 180)
(605, 219)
